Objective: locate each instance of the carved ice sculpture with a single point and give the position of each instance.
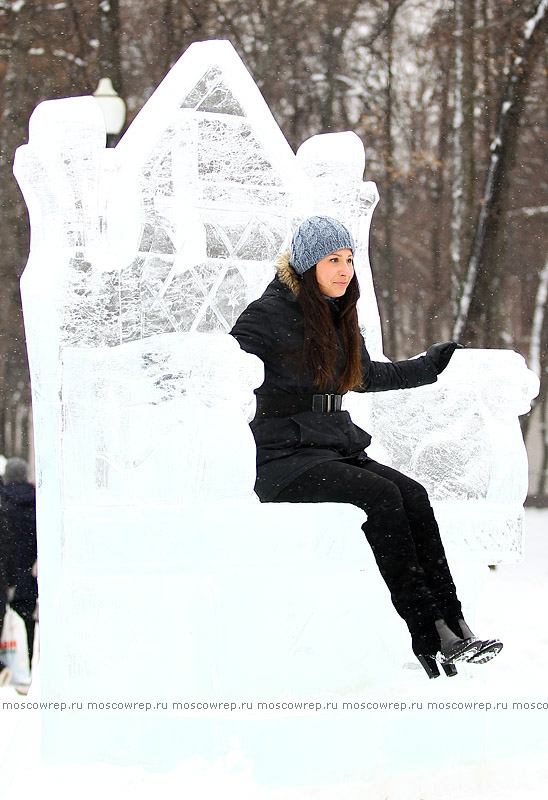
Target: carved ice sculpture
(142, 257)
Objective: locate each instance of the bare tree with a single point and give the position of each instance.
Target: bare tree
(110, 57)
(437, 299)
(462, 192)
(480, 294)
(389, 295)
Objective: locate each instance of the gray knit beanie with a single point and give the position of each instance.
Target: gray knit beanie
(16, 471)
(316, 238)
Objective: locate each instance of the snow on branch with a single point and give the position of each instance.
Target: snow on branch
(531, 24)
(530, 211)
(69, 57)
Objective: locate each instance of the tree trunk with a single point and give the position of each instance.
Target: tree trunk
(462, 193)
(543, 479)
(110, 65)
(437, 294)
(17, 101)
(388, 266)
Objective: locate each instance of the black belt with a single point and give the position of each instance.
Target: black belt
(284, 405)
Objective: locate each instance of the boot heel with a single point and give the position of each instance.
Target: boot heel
(430, 666)
(449, 669)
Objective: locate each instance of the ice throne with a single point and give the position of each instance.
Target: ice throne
(149, 532)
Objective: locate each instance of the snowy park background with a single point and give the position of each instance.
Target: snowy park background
(455, 754)
(494, 302)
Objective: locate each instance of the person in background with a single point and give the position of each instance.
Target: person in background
(7, 579)
(18, 524)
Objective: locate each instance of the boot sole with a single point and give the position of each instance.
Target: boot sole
(488, 650)
(462, 652)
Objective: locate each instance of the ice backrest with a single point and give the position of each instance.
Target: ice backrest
(176, 229)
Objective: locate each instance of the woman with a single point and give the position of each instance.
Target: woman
(305, 330)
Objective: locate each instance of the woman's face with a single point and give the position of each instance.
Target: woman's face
(334, 272)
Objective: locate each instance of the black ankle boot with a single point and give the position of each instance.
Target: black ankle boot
(488, 648)
(430, 666)
(438, 643)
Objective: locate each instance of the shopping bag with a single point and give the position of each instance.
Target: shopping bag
(13, 647)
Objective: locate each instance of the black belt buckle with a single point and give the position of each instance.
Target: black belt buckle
(326, 402)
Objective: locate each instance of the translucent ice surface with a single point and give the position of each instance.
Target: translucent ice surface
(461, 438)
(142, 257)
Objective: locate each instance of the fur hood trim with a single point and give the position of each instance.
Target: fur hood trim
(286, 273)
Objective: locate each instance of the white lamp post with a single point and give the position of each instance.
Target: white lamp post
(113, 108)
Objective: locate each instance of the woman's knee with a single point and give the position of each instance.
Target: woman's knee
(416, 499)
(388, 499)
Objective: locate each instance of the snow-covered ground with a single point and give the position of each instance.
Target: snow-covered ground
(454, 752)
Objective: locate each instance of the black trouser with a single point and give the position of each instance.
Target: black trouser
(400, 528)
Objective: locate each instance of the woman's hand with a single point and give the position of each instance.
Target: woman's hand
(441, 353)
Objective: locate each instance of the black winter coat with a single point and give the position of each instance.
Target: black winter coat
(18, 521)
(272, 329)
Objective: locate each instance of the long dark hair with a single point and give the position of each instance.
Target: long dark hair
(320, 339)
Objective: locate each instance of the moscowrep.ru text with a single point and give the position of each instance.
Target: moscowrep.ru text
(280, 705)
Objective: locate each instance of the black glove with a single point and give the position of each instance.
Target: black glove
(441, 353)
